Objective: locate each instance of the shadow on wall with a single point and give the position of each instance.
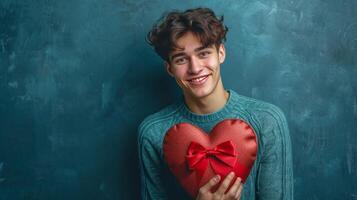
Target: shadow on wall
(143, 89)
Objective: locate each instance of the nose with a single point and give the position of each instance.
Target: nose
(195, 65)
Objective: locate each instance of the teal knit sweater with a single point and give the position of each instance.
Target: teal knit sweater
(271, 177)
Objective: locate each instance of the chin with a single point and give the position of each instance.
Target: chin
(201, 92)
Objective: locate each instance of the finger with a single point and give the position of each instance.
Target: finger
(233, 190)
(231, 194)
(239, 192)
(212, 182)
(225, 184)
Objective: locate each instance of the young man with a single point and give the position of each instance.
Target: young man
(191, 45)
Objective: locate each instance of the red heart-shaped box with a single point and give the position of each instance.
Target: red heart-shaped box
(180, 137)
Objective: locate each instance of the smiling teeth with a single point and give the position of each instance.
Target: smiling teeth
(198, 79)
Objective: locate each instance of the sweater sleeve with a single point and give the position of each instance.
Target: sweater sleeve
(150, 167)
(275, 170)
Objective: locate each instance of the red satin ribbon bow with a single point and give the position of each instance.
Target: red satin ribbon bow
(222, 158)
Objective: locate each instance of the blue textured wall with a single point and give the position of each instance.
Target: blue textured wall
(77, 77)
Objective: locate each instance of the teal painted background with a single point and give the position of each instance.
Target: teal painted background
(76, 79)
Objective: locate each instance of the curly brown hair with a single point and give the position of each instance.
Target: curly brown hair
(202, 22)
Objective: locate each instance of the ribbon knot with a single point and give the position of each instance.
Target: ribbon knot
(211, 152)
(222, 158)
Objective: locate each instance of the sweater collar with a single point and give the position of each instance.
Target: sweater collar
(219, 114)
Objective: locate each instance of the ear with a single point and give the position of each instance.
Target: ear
(221, 53)
(168, 68)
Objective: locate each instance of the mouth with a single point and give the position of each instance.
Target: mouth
(198, 80)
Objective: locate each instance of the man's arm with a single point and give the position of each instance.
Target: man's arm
(275, 170)
(150, 168)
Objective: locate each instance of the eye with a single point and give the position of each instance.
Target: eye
(204, 54)
(180, 61)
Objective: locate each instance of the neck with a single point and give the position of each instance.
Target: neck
(210, 103)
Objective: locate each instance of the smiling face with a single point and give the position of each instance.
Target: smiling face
(196, 68)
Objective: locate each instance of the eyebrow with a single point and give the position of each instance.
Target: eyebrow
(182, 54)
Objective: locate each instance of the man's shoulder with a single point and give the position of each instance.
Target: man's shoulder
(158, 122)
(261, 110)
(268, 120)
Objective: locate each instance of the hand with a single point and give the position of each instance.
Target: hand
(234, 192)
